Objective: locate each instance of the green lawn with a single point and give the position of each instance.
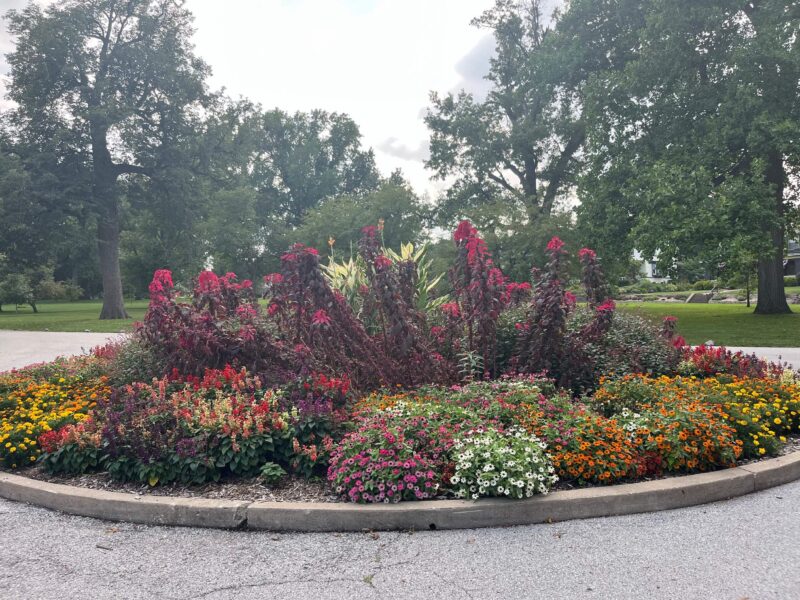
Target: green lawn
(685, 294)
(726, 324)
(729, 324)
(68, 316)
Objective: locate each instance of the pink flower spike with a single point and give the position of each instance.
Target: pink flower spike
(321, 318)
(555, 244)
(607, 306)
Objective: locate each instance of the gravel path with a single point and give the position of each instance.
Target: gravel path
(745, 548)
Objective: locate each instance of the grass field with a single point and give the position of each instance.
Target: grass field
(726, 324)
(68, 316)
(685, 294)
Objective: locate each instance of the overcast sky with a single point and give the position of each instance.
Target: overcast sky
(376, 60)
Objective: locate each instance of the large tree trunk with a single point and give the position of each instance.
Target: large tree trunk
(104, 190)
(108, 252)
(771, 295)
(108, 240)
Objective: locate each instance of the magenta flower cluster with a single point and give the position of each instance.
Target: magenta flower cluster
(390, 460)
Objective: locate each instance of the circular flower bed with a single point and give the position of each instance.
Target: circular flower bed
(385, 394)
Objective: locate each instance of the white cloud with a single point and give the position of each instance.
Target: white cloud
(376, 60)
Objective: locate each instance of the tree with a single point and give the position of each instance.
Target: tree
(267, 171)
(692, 136)
(521, 143)
(112, 82)
(338, 222)
(302, 159)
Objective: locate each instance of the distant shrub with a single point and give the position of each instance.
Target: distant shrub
(704, 285)
(49, 289)
(16, 289)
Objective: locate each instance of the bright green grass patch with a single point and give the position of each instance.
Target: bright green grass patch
(69, 316)
(726, 324)
(686, 293)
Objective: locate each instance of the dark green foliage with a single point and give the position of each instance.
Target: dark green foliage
(74, 459)
(520, 143)
(692, 126)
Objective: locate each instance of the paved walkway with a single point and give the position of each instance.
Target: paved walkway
(778, 355)
(20, 348)
(744, 548)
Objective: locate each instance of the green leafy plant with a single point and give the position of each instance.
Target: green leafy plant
(272, 472)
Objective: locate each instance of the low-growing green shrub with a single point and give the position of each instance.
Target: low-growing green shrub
(633, 344)
(702, 285)
(135, 360)
(272, 472)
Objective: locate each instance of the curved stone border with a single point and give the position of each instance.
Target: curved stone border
(630, 498)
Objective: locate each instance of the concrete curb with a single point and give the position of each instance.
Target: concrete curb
(630, 498)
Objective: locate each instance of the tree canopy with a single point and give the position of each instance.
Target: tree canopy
(693, 136)
(521, 142)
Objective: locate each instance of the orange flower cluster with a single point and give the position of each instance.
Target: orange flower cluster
(762, 411)
(690, 436)
(586, 447)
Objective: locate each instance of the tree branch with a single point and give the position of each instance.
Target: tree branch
(559, 172)
(129, 169)
(499, 179)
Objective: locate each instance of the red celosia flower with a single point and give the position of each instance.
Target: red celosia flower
(369, 231)
(245, 311)
(607, 306)
(555, 244)
(463, 231)
(451, 310)
(207, 281)
(496, 277)
(321, 318)
(161, 284)
(570, 298)
(587, 254)
(382, 262)
(273, 278)
(48, 441)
